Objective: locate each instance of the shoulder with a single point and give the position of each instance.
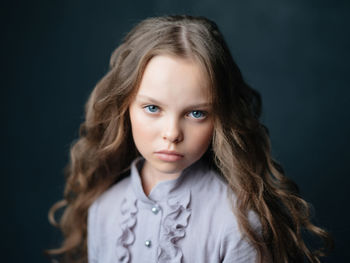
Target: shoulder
(234, 245)
(100, 216)
(213, 192)
(110, 198)
(210, 188)
(210, 202)
(213, 208)
(208, 183)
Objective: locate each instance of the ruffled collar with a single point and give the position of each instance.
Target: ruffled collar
(168, 189)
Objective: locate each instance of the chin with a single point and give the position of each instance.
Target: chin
(168, 167)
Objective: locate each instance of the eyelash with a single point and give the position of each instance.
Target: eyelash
(204, 113)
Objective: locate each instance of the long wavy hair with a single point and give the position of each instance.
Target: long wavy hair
(240, 148)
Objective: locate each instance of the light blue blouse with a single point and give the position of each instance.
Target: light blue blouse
(188, 219)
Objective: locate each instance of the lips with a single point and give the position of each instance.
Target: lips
(170, 152)
(169, 156)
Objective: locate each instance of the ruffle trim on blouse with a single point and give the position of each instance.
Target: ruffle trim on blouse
(126, 237)
(174, 228)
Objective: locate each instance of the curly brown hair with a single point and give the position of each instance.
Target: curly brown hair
(240, 148)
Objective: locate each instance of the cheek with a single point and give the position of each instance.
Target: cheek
(140, 126)
(201, 138)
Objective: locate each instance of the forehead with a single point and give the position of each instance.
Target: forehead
(169, 78)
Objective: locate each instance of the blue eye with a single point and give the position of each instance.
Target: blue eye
(197, 114)
(151, 108)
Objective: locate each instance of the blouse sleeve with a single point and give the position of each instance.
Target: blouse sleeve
(91, 234)
(235, 248)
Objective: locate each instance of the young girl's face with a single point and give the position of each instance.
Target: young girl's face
(171, 112)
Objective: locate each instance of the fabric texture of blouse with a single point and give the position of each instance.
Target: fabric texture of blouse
(188, 219)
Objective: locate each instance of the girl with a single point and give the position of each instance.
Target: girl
(172, 163)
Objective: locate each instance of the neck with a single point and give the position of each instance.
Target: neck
(150, 177)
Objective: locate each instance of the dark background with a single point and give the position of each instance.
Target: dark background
(294, 52)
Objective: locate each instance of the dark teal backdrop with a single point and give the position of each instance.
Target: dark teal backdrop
(294, 52)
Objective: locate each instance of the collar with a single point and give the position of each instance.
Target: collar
(168, 189)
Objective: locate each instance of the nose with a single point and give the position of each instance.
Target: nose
(172, 131)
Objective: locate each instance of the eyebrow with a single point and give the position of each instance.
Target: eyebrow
(159, 103)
